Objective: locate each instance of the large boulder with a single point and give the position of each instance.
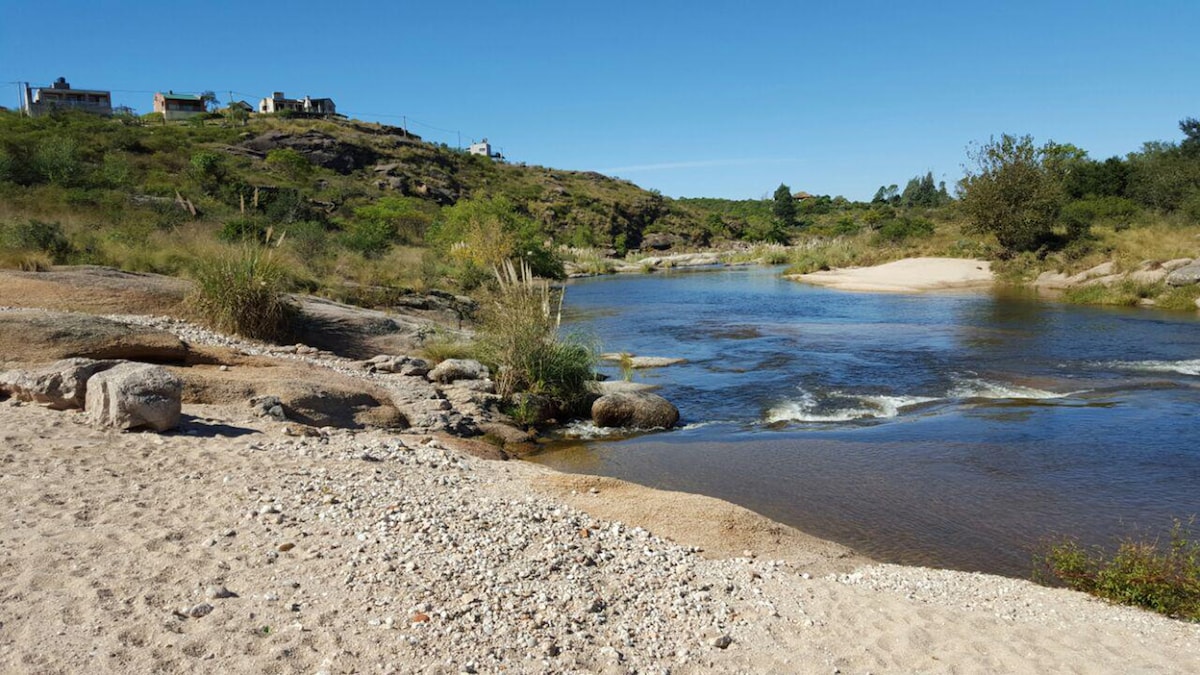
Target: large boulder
(135, 395)
(33, 335)
(634, 410)
(452, 370)
(61, 385)
(1184, 276)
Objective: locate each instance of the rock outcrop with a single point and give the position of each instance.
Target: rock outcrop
(1186, 275)
(135, 395)
(34, 335)
(634, 410)
(61, 385)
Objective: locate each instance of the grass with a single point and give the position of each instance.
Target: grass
(519, 339)
(242, 292)
(1163, 576)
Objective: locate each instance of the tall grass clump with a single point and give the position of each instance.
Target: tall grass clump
(519, 338)
(1164, 577)
(243, 293)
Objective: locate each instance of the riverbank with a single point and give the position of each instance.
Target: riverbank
(231, 546)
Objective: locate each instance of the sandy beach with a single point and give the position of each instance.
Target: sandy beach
(911, 275)
(229, 546)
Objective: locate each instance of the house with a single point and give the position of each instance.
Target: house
(178, 106)
(801, 196)
(485, 149)
(60, 96)
(241, 106)
(307, 105)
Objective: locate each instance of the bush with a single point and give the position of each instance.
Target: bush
(242, 229)
(1164, 578)
(899, 229)
(519, 339)
(243, 293)
(1012, 192)
(35, 236)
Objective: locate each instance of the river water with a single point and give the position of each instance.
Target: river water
(955, 430)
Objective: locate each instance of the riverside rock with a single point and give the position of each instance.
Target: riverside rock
(452, 370)
(133, 395)
(1184, 276)
(636, 410)
(61, 385)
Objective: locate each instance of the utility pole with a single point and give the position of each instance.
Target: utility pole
(405, 127)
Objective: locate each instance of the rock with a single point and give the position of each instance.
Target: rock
(134, 395)
(1183, 276)
(38, 335)
(721, 641)
(619, 386)
(319, 148)
(268, 406)
(637, 410)
(452, 370)
(201, 610)
(481, 386)
(645, 361)
(217, 592)
(60, 386)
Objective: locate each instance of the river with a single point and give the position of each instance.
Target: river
(955, 430)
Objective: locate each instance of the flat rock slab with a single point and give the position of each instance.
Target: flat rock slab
(906, 276)
(646, 361)
(92, 288)
(34, 336)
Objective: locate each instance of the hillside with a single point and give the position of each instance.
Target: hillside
(351, 199)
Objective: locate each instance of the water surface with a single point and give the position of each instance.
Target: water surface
(955, 430)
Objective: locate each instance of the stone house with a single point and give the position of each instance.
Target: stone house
(60, 96)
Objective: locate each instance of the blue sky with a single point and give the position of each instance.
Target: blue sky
(722, 99)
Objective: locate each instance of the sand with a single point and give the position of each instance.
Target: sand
(911, 275)
(375, 552)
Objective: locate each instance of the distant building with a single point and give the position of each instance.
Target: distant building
(174, 106)
(801, 196)
(307, 105)
(60, 96)
(240, 105)
(485, 149)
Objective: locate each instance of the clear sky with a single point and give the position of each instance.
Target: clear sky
(699, 98)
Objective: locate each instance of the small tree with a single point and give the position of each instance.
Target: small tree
(1012, 193)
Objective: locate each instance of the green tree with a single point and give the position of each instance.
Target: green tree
(1012, 193)
(784, 207)
(1191, 131)
(479, 234)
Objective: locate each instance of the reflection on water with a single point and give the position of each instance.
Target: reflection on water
(953, 430)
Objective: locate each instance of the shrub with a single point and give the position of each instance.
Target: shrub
(1144, 573)
(1012, 192)
(519, 339)
(242, 229)
(35, 236)
(903, 228)
(243, 293)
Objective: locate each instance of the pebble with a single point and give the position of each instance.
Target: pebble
(216, 592)
(201, 610)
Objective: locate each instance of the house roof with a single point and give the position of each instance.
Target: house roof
(180, 97)
(802, 195)
(47, 89)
